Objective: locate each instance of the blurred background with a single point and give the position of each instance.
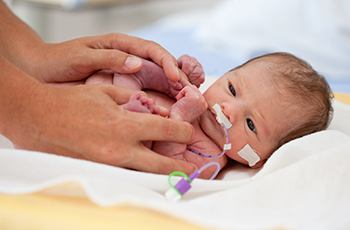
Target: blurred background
(60, 20)
(221, 34)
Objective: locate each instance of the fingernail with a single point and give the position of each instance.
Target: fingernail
(132, 62)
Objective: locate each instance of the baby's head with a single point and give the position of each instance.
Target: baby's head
(270, 100)
(309, 98)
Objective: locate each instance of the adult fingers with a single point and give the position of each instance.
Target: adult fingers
(63, 84)
(183, 79)
(115, 44)
(146, 160)
(149, 127)
(113, 59)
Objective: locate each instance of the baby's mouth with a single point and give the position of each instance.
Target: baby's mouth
(221, 118)
(217, 125)
(213, 115)
(222, 128)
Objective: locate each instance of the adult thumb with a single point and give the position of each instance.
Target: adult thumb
(132, 63)
(116, 60)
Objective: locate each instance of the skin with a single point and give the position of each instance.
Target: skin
(83, 121)
(151, 76)
(257, 118)
(189, 104)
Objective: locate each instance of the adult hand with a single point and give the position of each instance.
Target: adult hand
(85, 122)
(77, 59)
(81, 121)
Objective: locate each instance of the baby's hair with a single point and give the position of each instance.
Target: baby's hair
(309, 98)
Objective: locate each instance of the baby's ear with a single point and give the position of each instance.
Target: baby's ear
(258, 165)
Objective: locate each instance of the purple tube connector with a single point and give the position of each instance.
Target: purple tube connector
(184, 185)
(176, 192)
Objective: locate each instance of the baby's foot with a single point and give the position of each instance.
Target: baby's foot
(141, 104)
(190, 105)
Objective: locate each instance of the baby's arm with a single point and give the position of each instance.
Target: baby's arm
(189, 106)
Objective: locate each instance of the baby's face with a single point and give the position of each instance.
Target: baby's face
(246, 96)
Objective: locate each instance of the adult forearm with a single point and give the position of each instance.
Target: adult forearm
(18, 42)
(15, 89)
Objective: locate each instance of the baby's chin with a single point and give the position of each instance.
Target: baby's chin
(234, 156)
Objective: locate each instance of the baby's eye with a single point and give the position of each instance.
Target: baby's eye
(251, 125)
(232, 90)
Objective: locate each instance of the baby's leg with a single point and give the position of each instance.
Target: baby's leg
(190, 105)
(136, 103)
(151, 76)
(102, 76)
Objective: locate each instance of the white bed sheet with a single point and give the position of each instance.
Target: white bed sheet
(304, 185)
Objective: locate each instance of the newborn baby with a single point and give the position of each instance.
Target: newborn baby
(269, 101)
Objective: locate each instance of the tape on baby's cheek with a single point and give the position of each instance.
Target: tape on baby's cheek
(220, 117)
(248, 154)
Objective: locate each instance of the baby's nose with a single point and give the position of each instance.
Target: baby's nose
(231, 112)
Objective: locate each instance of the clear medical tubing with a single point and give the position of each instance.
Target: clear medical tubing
(204, 167)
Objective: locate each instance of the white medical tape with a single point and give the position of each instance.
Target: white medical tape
(227, 146)
(220, 117)
(248, 154)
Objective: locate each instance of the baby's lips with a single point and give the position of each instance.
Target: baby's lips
(215, 115)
